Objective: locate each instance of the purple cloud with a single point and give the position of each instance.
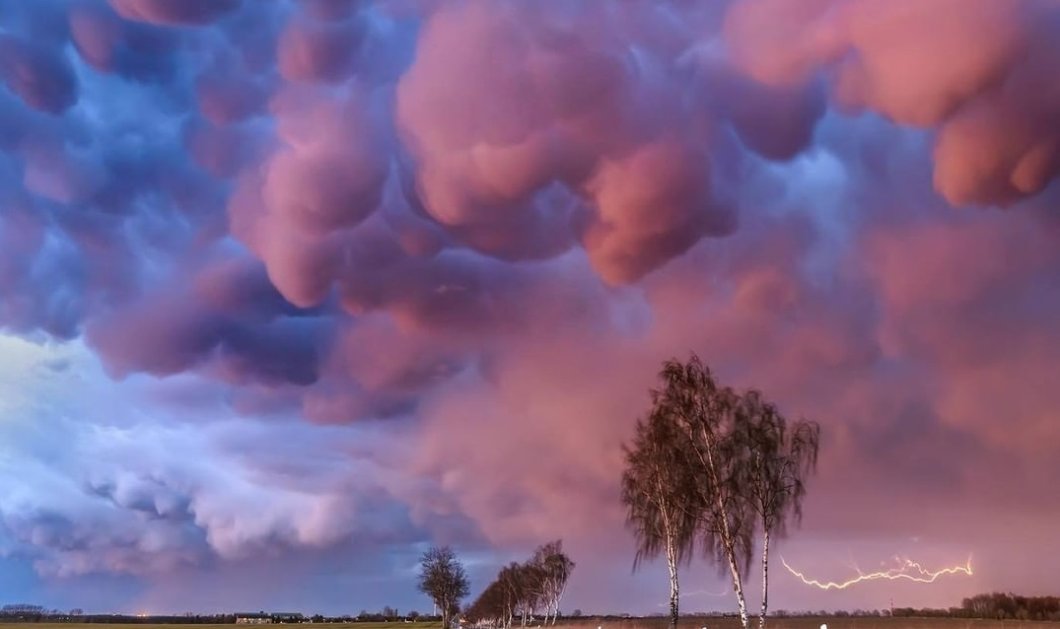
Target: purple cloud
(40, 76)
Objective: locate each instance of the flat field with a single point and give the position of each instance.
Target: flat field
(631, 623)
(337, 625)
(836, 622)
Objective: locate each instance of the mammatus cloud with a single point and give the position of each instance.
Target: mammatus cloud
(458, 238)
(974, 71)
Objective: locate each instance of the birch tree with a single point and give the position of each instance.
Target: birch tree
(656, 490)
(779, 460)
(489, 608)
(706, 413)
(712, 465)
(555, 569)
(531, 578)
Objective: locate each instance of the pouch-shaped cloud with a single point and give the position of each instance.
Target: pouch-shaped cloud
(503, 101)
(327, 176)
(228, 315)
(977, 71)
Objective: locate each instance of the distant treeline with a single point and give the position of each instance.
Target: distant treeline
(996, 605)
(52, 617)
(193, 619)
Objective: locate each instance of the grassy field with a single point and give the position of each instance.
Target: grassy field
(353, 625)
(638, 623)
(815, 623)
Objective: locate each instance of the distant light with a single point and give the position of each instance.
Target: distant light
(824, 626)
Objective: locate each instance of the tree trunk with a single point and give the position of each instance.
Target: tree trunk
(675, 588)
(738, 586)
(737, 582)
(765, 579)
(726, 533)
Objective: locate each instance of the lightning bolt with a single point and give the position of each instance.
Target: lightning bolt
(907, 569)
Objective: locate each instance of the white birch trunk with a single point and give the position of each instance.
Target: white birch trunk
(726, 534)
(559, 597)
(675, 588)
(765, 579)
(737, 583)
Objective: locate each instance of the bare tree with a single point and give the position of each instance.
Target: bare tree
(707, 412)
(443, 578)
(656, 489)
(779, 460)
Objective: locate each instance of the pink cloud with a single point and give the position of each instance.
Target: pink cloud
(968, 68)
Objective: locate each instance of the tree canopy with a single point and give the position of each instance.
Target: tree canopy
(712, 465)
(443, 578)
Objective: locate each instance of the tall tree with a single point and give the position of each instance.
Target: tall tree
(489, 608)
(443, 578)
(555, 568)
(706, 412)
(531, 576)
(515, 589)
(779, 459)
(656, 489)
(722, 463)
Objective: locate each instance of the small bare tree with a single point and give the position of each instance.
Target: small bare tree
(443, 578)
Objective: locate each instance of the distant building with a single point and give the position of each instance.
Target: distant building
(287, 617)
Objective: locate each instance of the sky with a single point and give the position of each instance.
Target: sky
(291, 291)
